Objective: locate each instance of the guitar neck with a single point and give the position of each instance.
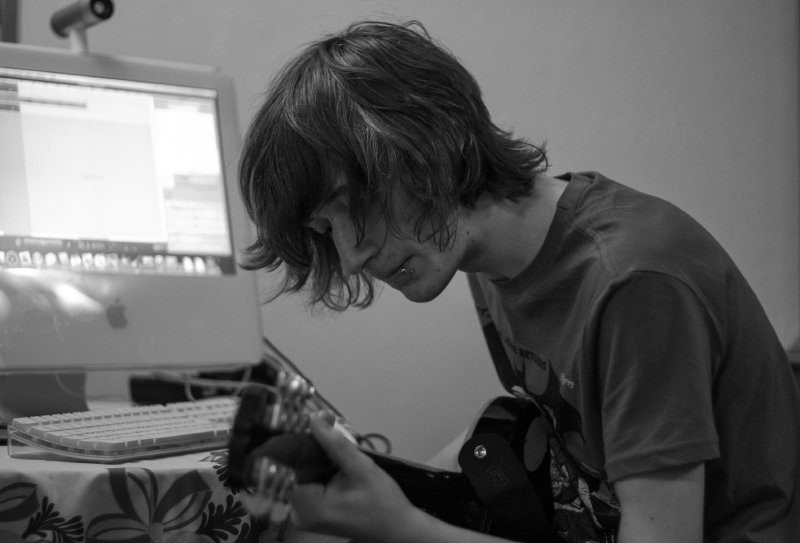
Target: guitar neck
(446, 495)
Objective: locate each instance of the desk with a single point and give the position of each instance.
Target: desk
(181, 499)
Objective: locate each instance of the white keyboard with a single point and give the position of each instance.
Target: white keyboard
(129, 433)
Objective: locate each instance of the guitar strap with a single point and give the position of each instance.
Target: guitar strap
(510, 493)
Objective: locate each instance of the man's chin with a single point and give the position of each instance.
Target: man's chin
(416, 294)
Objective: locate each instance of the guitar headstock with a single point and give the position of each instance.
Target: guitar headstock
(271, 450)
(269, 496)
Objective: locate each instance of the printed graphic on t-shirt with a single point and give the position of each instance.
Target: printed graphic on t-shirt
(585, 507)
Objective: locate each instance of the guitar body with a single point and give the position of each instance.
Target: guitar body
(270, 451)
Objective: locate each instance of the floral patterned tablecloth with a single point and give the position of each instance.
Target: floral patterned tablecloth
(182, 499)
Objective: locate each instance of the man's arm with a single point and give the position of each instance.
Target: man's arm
(662, 506)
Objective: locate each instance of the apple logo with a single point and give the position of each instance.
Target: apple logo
(115, 313)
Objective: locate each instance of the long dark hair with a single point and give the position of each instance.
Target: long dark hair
(387, 108)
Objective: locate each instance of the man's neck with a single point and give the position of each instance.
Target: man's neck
(505, 236)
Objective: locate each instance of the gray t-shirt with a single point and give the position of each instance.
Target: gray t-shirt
(643, 341)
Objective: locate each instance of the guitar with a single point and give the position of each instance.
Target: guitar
(271, 451)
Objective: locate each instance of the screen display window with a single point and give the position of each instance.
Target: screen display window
(111, 176)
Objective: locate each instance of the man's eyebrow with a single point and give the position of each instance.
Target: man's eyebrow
(332, 195)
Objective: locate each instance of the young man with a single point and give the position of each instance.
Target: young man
(667, 394)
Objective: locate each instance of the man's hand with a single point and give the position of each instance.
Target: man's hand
(361, 500)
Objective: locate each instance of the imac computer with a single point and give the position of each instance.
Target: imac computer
(120, 221)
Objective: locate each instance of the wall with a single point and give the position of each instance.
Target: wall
(693, 101)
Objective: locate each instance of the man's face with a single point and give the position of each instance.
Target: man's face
(420, 270)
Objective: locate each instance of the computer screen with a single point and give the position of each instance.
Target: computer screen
(120, 221)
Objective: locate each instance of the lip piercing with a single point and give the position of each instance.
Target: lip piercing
(404, 271)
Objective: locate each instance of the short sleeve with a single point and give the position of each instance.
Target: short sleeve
(655, 348)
